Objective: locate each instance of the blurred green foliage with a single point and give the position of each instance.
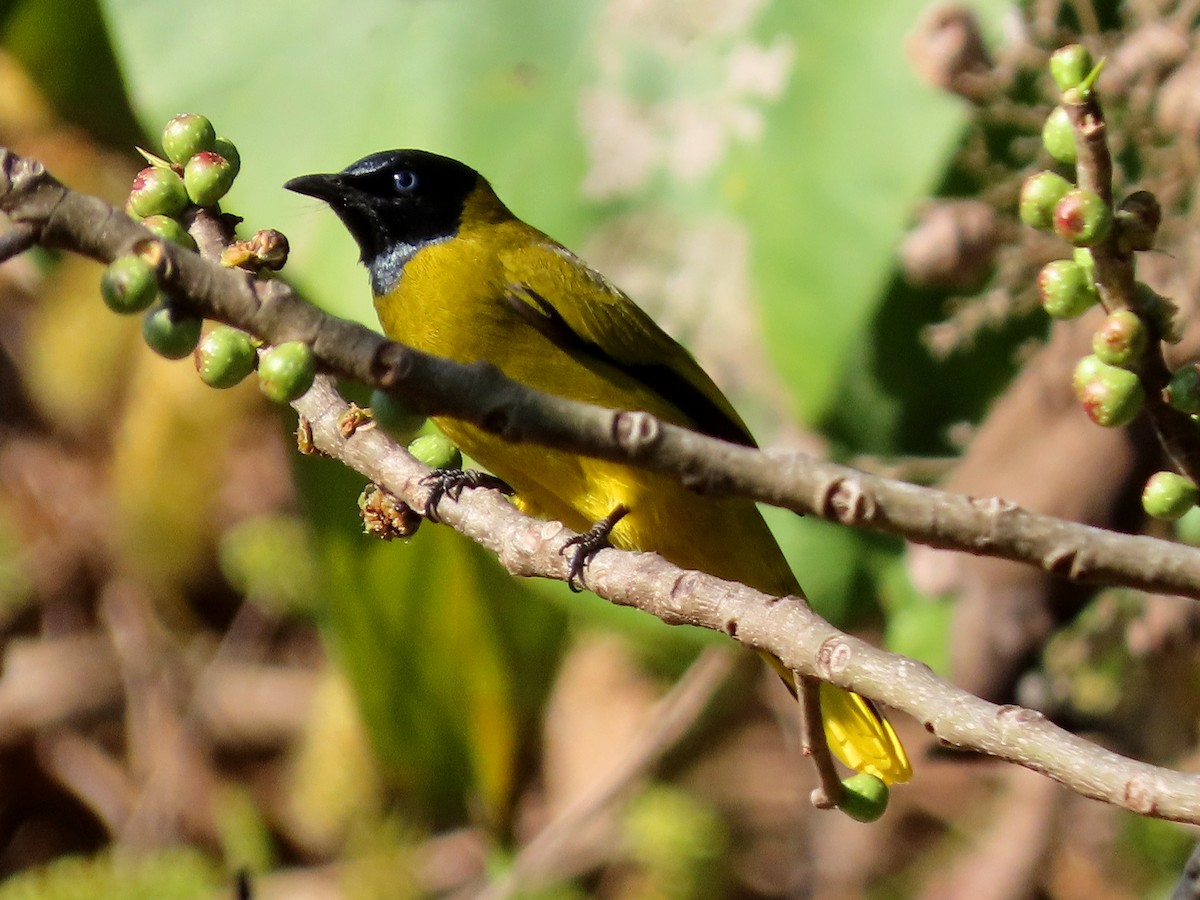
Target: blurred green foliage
(177, 874)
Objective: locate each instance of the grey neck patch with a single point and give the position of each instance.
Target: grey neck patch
(388, 267)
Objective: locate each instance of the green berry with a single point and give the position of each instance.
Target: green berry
(1040, 193)
(129, 285)
(208, 177)
(170, 230)
(1083, 258)
(1112, 397)
(186, 135)
(1183, 390)
(1065, 290)
(1070, 65)
(1187, 527)
(1058, 136)
(864, 797)
(398, 419)
(286, 371)
(157, 191)
(170, 334)
(225, 357)
(1082, 218)
(1085, 372)
(436, 451)
(1121, 340)
(1168, 495)
(226, 148)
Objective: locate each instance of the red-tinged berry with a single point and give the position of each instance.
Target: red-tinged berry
(1070, 65)
(436, 450)
(186, 135)
(864, 797)
(225, 357)
(1058, 136)
(157, 192)
(1137, 220)
(397, 418)
(286, 371)
(1113, 397)
(1040, 194)
(129, 285)
(207, 177)
(1065, 290)
(1085, 373)
(1183, 390)
(1121, 340)
(171, 334)
(1168, 495)
(170, 230)
(1082, 218)
(226, 148)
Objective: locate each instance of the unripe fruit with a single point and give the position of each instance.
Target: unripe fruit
(1082, 218)
(1187, 527)
(186, 135)
(170, 230)
(1070, 65)
(436, 451)
(1183, 390)
(129, 285)
(208, 177)
(398, 419)
(1168, 495)
(1112, 397)
(1039, 196)
(1121, 340)
(286, 371)
(1085, 372)
(864, 797)
(1065, 290)
(225, 357)
(157, 191)
(1083, 258)
(1058, 136)
(171, 334)
(226, 148)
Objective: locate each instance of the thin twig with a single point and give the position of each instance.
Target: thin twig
(828, 792)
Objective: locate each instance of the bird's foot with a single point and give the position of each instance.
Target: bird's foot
(452, 482)
(584, 546)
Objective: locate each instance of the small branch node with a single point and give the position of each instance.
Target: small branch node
(1141, 794)
(636, 432)
(833, 657)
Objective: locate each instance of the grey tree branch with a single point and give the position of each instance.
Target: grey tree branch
(64, 219)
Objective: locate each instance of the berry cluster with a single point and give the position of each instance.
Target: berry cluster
(1107, 382)
(198, 170)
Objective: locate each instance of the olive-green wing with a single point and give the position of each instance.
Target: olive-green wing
(584, 314)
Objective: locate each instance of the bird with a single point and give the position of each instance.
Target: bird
(453, 272)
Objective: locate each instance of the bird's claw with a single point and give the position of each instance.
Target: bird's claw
(582, 547)
(452, 482)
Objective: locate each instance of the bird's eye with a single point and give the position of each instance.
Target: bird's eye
(405, 181)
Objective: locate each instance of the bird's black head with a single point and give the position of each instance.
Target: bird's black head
(393, 203)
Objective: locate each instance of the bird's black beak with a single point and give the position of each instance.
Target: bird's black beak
(330, 188)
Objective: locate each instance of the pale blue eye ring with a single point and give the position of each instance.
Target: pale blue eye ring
(405, 181)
